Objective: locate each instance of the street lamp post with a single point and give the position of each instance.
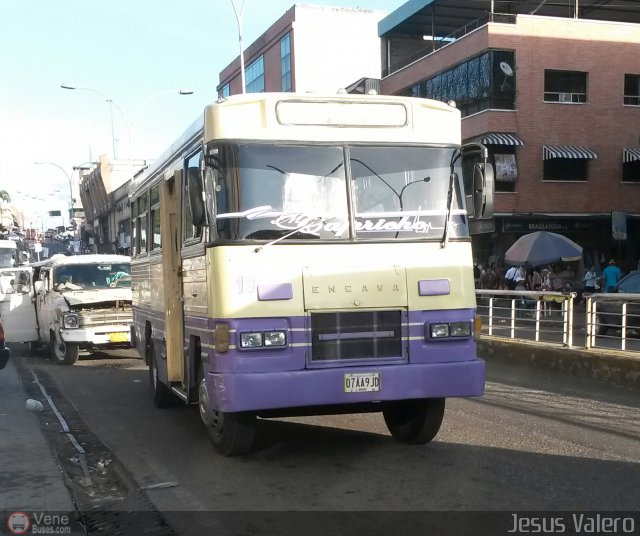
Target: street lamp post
(238, 15)
(111, 105)
(72, 220)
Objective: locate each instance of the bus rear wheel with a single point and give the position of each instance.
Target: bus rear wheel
(162, 395)
(232, 434)
(414, 421)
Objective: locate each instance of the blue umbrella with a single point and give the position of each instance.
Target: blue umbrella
(542, 247)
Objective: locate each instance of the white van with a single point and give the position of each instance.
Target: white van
(71, 303)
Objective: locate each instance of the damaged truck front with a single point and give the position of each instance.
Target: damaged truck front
(77, 303)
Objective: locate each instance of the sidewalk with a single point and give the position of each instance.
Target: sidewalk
(31, 479)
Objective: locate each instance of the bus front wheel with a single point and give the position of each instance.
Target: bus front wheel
(232, 434)
(414, 421)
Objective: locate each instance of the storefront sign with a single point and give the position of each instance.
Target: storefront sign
(554, 226)
(481, 226)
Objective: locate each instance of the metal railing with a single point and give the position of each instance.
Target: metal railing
(600, 321)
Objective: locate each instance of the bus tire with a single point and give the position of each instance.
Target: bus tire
(414, 422)
(160, 393)
(64, 353)
(232, 434)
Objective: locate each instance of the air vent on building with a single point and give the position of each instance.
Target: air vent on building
(565, 97)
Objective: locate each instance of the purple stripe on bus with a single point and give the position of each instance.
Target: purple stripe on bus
(281, 291)
(434, 287)
(256, 391)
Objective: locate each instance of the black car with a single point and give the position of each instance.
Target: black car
(610, 311)
(4, 351)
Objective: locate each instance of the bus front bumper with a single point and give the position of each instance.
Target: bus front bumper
(232, 392)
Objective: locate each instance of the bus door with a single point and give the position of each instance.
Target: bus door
(170, 228)
(17, 310)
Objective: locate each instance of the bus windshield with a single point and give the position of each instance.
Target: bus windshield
(267, 192)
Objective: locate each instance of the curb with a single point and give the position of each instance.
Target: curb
(608, 366)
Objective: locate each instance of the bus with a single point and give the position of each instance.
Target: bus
(310, 255)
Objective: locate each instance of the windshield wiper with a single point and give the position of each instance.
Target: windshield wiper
(452, 178)
(319, 219)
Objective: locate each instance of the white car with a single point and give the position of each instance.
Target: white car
(71, 303)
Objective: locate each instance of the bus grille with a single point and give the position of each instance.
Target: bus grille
(356, 335)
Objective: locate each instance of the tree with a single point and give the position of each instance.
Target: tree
(4, 196)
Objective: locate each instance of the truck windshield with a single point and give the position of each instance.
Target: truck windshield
(266, 192)
(92, 276)
(7, 257)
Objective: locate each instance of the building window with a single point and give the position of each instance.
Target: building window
(254, 76)
(505, 164)
(485, 82)
(632, 89)
(225, 91)
(565, 86)
(285, 62)
(566, 169)
(631, 165)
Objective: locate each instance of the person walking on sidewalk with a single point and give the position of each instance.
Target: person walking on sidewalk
(591, 280)
(610, 276)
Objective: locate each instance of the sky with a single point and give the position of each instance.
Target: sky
(138, 54)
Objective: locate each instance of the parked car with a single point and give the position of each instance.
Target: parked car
(72, 304)
(4, 351)
(609, 312)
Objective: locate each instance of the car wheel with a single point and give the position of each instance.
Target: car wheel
(64, 353)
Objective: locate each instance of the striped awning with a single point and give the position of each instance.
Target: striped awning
(500, 138)
(567, 151)
(629, 155)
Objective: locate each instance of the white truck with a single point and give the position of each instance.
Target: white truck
(71, 303)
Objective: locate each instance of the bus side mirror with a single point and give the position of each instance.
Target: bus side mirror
(196, 199)
(483, 188)
(478, 179)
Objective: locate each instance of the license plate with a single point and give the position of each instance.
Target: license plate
(362, 383)
(119, 337)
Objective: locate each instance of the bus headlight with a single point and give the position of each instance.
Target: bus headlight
(449, 329)
(70, 321)
(439, 331)
(460, 329)
(275, 338)
(259, 339)
(251, 340)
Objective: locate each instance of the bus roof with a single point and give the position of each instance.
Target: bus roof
(292, 117)
(95, 258)
(332, 118)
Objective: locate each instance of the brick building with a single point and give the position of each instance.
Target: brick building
(553, 91)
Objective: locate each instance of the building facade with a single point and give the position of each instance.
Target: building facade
(104, 191)
(309, 49)
(554, 95)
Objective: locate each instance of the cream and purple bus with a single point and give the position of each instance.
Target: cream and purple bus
(309, 255)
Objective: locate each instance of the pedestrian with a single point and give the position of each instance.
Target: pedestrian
(509, 277)
(610, 276)
(534, 279)
(591, 280)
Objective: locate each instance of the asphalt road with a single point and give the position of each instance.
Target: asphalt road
(534, 441)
